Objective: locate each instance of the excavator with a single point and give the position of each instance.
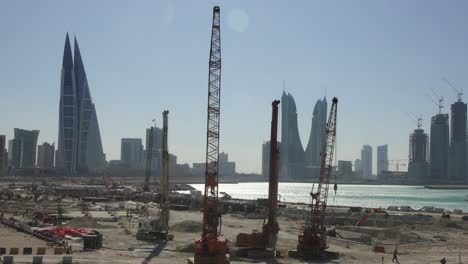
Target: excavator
(150, 229)
(369, 214)
(263, 244)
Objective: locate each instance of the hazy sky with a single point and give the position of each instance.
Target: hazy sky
(380, 58)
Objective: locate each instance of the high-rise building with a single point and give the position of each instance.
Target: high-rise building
(292, 152)
(14, 153)
(79, 145)
(345, 169)
(156, 164)
(357, 165)
(439, 148)
(457, 151)
(266, 157)
(317, 133)
(418, 154)
(226, 168)
(223, 157)
(3, 157)
(382, 159)
(366, 159)
(23, 149)
(157, 137)
(45, 155)
(131, 152)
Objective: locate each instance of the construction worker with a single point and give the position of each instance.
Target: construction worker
(395, 254)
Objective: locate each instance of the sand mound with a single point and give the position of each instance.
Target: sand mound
(84, 222)
(188, 226)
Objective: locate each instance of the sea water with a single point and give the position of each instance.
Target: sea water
(372, 196)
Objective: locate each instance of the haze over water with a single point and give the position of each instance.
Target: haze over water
(372, 196)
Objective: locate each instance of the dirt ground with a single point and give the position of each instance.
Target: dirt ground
(417, 243)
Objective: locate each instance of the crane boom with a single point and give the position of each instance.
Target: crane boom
(312, 242)
(212, 245)
(149, 157)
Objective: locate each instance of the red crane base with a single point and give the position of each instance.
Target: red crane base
(212, 251)
(311, 245)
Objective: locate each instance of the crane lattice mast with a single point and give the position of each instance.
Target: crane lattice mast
(212, 246)
(312, 242)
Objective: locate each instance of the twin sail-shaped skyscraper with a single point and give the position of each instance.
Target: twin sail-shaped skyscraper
(79, 145)
(297, 164)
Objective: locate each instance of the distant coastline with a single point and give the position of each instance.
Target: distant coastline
(447, 187)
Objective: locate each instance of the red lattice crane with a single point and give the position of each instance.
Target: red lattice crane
(312, 242)
(212, 247)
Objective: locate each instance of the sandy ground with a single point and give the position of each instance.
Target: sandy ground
(436, 240)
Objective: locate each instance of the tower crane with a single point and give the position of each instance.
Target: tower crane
(265, 240)
(459, 92)
(312, 242)
(212, 248)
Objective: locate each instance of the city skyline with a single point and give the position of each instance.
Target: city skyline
(130, 89)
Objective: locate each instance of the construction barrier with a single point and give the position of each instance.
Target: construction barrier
(37, 260)
(30, 251)
(67, 260)
(8, 260)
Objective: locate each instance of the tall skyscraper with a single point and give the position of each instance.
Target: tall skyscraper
(382, 159)
(45, 155)
(79, 145)
(457, 150)
(418, 153)
(3, 158)
(292, 152)
(131, 152)
(317, 133)
(366, 159)
(23, 148)
(439, 148)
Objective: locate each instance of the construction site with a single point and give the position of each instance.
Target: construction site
(70, 220)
